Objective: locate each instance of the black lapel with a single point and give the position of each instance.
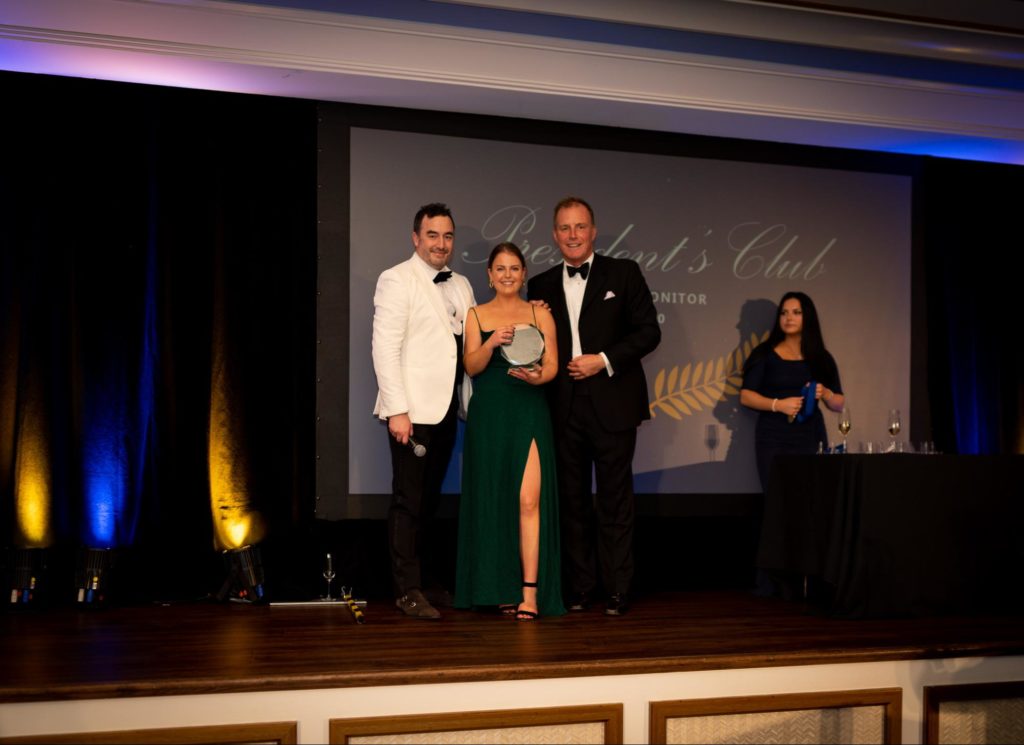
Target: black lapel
(596, 280)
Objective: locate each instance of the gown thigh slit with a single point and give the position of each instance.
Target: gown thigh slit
(531, 477)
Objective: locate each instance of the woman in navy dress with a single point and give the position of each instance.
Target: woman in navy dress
(776, 377)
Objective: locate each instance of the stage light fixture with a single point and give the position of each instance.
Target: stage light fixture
(28, 569)
(93, 574)
(244, 581)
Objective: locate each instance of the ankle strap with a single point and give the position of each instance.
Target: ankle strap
(529, 584)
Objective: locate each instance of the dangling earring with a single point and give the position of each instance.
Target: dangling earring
(490, 283)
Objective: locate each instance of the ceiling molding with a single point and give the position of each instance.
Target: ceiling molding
(862, 26)
(334, 57)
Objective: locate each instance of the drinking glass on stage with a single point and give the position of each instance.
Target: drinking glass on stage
(329, 575)
(845, 423)
(894, 428)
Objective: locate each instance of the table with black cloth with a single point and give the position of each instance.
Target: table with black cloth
(897, 534)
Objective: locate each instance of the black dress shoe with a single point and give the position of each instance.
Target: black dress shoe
(415, 605)
(578, 601)
(439, 597)
(617, 605)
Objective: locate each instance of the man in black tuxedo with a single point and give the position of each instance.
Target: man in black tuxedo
(606, 323)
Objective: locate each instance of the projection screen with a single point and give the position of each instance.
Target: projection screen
(719, 243)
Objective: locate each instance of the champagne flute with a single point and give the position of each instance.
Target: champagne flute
(845, 423)
(894, 426)
(328, 573)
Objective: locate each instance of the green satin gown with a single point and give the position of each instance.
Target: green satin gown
(505, 415)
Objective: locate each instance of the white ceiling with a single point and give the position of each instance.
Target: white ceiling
(918, 77)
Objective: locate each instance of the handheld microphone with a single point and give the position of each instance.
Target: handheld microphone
(419, 450)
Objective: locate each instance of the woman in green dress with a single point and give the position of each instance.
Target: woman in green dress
(508, 552)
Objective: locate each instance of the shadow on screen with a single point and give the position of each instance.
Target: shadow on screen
(719, 470)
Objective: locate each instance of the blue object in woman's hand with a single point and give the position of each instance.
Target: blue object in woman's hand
(807, 410)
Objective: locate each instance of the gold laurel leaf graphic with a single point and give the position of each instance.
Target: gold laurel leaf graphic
(703, 397)
(667, 407)
(684, 376)
(671, 385)
(681, 405)
(678, 394)
(716, 389)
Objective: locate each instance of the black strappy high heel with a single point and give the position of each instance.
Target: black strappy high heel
(526, 615)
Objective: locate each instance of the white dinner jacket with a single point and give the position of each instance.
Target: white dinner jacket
(414, 353)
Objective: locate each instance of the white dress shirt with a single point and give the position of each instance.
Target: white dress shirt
(447, 290)
(574, 287)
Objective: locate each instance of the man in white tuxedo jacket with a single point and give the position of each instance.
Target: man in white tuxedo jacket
(419, 311)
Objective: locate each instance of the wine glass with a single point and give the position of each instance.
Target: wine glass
(894, 427)
(328, 573)
(711, 438)
(845, 423)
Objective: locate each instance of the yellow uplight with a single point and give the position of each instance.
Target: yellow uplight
(235, 523)
(32, 488)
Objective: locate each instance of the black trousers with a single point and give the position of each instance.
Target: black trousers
(596, 524)
(415, 493)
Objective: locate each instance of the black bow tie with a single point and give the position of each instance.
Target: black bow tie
(442, 277)
(582, 270)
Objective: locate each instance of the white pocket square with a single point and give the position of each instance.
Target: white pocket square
(609, 295)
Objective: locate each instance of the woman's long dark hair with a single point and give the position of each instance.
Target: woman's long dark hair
(812, 345)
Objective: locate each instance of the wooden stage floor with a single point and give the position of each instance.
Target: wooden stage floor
(206, 647)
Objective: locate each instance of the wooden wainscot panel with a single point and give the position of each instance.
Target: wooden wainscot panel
(598, 723)
(868, 716)
(974, 713)
(264, 733)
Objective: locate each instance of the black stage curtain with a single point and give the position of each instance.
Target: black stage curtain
(135, 219)
(970, 226)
